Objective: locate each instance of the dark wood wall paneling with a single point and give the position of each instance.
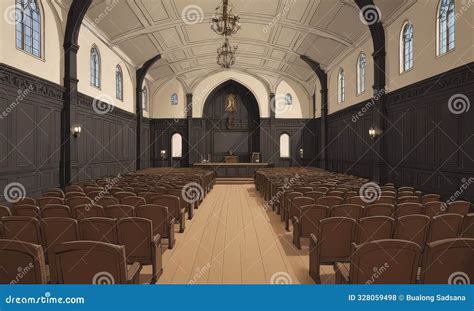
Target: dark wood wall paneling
(161, 132)
(30, 120)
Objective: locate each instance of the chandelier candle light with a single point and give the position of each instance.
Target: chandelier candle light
(226, 54)
(226, 24)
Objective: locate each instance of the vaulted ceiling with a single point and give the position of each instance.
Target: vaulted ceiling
(274, 33)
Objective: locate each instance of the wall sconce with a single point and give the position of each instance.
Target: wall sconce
(163, 154)
(301, 152)
(76, 130)
(374, 132)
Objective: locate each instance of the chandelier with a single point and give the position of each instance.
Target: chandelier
(224, 23)
(225, 54)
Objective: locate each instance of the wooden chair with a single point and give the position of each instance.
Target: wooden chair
(330, 201)
(119, 211)
(335, 193)
(162, 220)
(459, 207)
(141, 246)
(430, 198)
(42, 202)
(94, 195)
(78, 201)
(307, 221)
(134, 201)
(433, 209)
(87, 211)
(4, 211)
(467, 230)
(183, 204)
(303, 190)
(107, 201)
(22, 228)
(445, 261)
(74, 194)
(347, 210)
(25, 200)
(408, 199)
(412, 228)
(404, 209)
(73, 188)
(379, 209)
(172, 203)
(24, 257)
(333, 243)
(123, 194)
(101, 263)
(27, 210)
(446, 226)
(394, 261)
(406, 188)
(314, 195)
(292, 211)
(98, 229)
(387, 200)
(287, 197)
(56, 210)
(53, 194)
(375, 228)
(358, 201)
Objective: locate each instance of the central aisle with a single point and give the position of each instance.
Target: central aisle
(234, 240)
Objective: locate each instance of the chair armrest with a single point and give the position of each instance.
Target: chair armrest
(314, 259)
(133, 273)
(342, 272)
(156, 240)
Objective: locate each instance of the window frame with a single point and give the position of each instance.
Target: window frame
(450, 14)
(341, 86)
(40, 33)
(403, 47)
(119, 84)
(98, 69)
(361, 75)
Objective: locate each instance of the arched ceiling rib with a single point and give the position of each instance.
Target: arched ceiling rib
(274, 33)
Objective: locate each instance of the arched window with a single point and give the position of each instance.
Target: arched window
(361, 65)
(174, 99)
(118, 83)
(341, 86)
(288, 99)
(28, 26)
(95, 67)
(284, 145)
(406, 47)
(446, 26)
(176, 145)
(145, 99)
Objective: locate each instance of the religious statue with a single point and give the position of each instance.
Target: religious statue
(231, 103)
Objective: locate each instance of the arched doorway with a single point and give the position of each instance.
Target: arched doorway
(232, 122)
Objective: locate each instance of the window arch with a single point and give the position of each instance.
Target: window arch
(284, 145)
(177, 145)
(174, 99)
(145, 98)
(118, 83)
(341, 86)
(28, 26)
(95, 66)
(406, 47)
(446, 26)
(361, 77)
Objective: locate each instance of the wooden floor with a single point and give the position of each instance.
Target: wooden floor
(234, 240)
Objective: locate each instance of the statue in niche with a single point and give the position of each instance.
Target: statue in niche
(231, 103)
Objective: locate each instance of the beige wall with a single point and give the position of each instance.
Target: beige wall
(300, 108)
(162, 108)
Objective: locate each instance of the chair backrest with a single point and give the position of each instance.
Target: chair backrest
(23, 201)
(78, 201)
(107, 201)
(467, 230)
(95, 195)
(335, 236)
(347, 210)
(57, 230)
(459, 207)
(74, 194)
(22, 263)
(385, 262)
(432, 209)
(73, 188)
(123, 194)
(386, 199)
(288, 196)
(358, 200)
(448, 262)
(302, 201)
(133, 201)
(446, 226)
(4, 211)
(87, 211)
(406, 188)
(136, 235)
(430, 198)
(27, 210)
(56, 210)
(402, 194)
(411, 208)
(101, 263)
(330, 201)
(379, 209)
(98, 229)
(51, 194)
(170, 201)
(159, 216)
(314, 194)
(119, 211)
(375, 228)
(303, 190)
(413, 228)
(42, 202)
(335, 193)
(321, 189)
(22, 228)
(310, 218)
(408, 199)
